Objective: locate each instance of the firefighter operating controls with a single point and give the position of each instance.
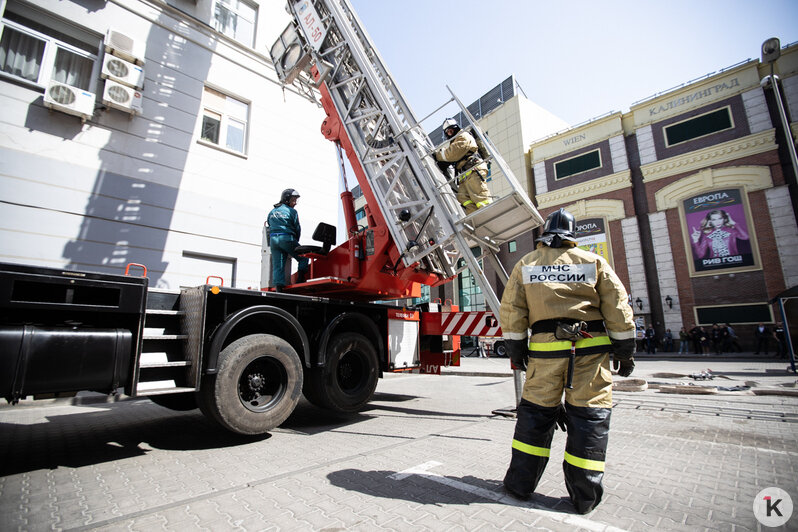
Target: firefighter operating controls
(407, 195)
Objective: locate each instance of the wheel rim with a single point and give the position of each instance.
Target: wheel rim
(352, 372)
(262, 384)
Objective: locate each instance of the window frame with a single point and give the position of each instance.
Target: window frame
(600, 165)
(216, 25)
(51, 46)
(728, 110)
(226, 118)
(763, 305)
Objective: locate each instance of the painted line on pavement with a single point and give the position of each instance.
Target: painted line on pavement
(423, 470)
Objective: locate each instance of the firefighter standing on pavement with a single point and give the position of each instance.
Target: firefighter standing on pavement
(576, 310)
(284, 232)
(463, 152)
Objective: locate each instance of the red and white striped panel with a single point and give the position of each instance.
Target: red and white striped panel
(470, 324)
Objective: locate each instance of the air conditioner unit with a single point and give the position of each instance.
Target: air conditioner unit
(124, 72)
(69, 99)
(123, 46)
(122, 97)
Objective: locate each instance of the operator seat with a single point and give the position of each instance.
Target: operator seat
(324, 233)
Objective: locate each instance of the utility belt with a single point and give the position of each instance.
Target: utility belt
(465, 164)
(562, 349)
(573, 339)
(550, 326)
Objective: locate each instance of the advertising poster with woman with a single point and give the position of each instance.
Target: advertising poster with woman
(717, 231)
(591, 235)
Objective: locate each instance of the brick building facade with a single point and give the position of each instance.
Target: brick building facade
(690, 195)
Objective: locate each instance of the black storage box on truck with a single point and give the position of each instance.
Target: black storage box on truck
(67, 331)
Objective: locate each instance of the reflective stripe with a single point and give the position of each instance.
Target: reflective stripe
(483, 203)
(584, 463)
(531, 449)
(467, 202)
(507, 335)
(623, 335)
(462, 177)
(565, 344)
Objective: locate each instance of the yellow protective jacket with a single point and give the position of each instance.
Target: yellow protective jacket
(565, 282)
(458, 150)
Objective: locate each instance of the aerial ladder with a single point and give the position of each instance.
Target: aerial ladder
(245, 356)
(429, 238)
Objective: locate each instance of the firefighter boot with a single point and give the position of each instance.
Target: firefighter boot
(585, 451)
(534, 429)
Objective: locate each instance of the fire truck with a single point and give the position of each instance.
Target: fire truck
(244, 357)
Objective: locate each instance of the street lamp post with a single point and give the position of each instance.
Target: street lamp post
(771, 50)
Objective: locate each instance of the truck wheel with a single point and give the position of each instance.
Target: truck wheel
(348, 380)
(500, 349)
(180, 402)
(257, 386)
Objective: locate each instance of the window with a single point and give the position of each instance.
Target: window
(512, 246)
(37, 47)
(577, 165)
(469, 292)
(750, 313)
(224, 120)
(699, 126)
(236, 19)
(360, 214)
(424, 298)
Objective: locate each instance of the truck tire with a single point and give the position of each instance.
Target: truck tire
(499, 349)
(180, 402)
(348, 380)
(257, 386)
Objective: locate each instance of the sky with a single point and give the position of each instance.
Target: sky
(577, 59)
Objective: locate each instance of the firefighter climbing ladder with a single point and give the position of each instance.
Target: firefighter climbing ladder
(419, 206)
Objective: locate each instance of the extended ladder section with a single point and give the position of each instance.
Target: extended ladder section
(419, 206)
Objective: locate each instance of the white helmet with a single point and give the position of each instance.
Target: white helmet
(450, 123)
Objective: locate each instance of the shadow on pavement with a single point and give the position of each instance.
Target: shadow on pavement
(392, 397)
(420, 489)
(112, 432)
(309, 419)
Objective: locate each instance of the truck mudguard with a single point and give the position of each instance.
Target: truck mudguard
(364, 326)
(296, 334)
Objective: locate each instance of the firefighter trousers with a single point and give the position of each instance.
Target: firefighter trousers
(473, 192)
(587, 419)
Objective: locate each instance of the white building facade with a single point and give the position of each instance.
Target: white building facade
(152, 132)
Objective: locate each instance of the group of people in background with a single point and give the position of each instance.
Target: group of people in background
(718, 339)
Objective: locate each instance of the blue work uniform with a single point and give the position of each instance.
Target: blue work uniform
(284, 231)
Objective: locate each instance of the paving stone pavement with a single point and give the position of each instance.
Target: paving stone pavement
(427, 454)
